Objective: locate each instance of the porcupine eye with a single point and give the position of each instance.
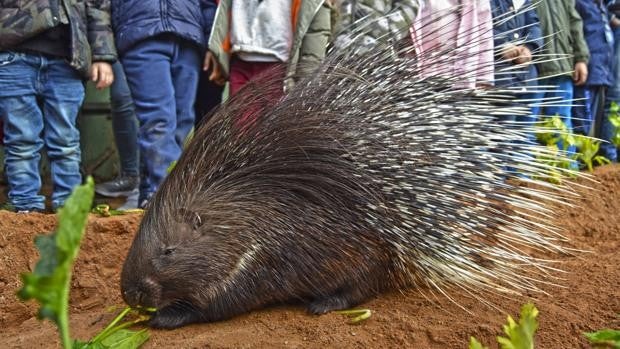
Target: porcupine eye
(168, 251)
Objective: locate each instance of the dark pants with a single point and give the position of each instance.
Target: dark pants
(591, 117)
(124, 122)
(162, 73)
(209, 96)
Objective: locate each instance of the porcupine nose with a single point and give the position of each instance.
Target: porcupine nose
(134, 297)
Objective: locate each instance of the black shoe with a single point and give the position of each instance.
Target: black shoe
(121, 186)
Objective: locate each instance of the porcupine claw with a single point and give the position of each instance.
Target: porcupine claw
(172, 316)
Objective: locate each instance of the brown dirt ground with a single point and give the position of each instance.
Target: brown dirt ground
(588, 300)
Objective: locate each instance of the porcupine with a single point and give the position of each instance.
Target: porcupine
(365, 177)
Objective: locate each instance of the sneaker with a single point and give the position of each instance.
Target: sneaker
(132, 201)
(9, 207)
(121, 186)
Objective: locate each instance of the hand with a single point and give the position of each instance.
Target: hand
(525, 55)
(580, 75)
(210, 62)
(510, 52)
(615, 22)
(101, 74)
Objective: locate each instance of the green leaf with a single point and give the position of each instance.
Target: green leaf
(521, 335)
(125, 339)
(607, 337)
(50, 282)
(474, 344)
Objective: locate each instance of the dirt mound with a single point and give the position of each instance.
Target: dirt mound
(588, 300)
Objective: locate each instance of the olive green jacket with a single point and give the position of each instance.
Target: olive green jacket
(89, 22)
(565, 44)
(312, 34)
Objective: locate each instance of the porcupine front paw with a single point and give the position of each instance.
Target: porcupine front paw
(171, 317)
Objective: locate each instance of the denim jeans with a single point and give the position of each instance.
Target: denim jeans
(557, 102)
(39, 102)
(590, 102)
(162, 73)
(124, 122)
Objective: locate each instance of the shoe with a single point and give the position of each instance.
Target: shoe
(9, 207)
(132, 201)
(121, 186)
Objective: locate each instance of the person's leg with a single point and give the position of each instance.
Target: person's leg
(240, 73)
(208, 97)
(23, 123)
(582, 114)
(562, 100)
(124, 122)
(63, 93)
(184, 69)
(125, 128)
(605, 129)
(147, 67)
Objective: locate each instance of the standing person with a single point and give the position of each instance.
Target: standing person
(47, 48)
(565, 44)
(613, 95)
(253, 36)
(161, 44)
(462, 33)
(590, 97)
(125, 128)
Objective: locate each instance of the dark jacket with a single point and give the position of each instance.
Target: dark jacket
(520, 28)
(89, 24)
(136, 20)
(599, 37)
(562, 29)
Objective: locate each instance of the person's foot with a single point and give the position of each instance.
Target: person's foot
(121, 186)
(132, 201)
(9, 207)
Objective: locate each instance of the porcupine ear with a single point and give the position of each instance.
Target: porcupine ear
(190, 217)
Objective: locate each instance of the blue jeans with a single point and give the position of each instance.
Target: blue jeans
(591, 102)
(124, 122)
(39, 102)
(162, 73)
(557, 102)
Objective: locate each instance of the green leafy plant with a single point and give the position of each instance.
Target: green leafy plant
(606, 338)
(614, 119)
(519, 335)
(588, 148)
(50, 282)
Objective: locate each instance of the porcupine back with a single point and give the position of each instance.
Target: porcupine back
(371, 174)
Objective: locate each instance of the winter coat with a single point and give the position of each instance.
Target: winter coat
(89, 24)
(562, 29)
(445, 25)
(515, 27)
(599, 38)
(376, 20)
(136, 20)
(312, 22)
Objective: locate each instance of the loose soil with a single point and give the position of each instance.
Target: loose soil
(588, 299)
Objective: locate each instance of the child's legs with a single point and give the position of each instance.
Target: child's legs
(562, 100)
(124, 122)
(63, 93)
(583, 115)
(148, 70)
(23, 123)
(185, 70)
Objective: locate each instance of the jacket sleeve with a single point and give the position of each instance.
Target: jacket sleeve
(99, 28)
(578, 41)
(314, 43)
(401, 17)
(208, 8)
(533, 31)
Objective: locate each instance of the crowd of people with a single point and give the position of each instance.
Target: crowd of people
(166, 63)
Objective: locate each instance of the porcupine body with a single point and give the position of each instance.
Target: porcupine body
(365, 177)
